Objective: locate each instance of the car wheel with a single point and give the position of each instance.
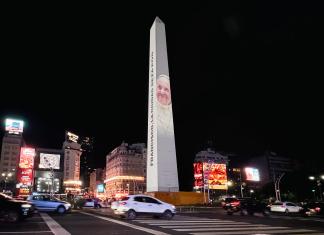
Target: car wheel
(61, 210)
(131, 214)
(167, 214)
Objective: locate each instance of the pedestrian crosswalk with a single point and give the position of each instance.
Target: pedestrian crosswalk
(205, 226)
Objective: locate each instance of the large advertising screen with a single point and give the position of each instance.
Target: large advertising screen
(198, 175)
(25, 176)
(72, 137)
(26, 160)
(100, 188)
(48, 161)
(14, 126)
(215, 175)
(252, 174)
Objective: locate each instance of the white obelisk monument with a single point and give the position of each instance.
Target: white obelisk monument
(162, 173)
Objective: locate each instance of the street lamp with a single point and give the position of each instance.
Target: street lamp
(6, 177)
(319, 184)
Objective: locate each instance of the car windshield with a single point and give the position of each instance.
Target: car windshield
(4, 196)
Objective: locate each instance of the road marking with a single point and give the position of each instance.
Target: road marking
(259, 232)
(214, 226)
(151, 231)
(55, 227)
(210, 224)
(184, 221)
(32, 232)
(226, 229)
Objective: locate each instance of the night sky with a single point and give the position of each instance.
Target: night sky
(244, 76)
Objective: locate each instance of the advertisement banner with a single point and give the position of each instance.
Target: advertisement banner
(14, 126)
(215, 176)
(198, 175)
(252, 174)
(25, 176)
(48, 161)
(26, 160)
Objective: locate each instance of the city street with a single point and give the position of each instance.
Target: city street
(102, 222)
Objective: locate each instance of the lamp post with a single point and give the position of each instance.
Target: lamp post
(319, 185)
(277, 186)
(6, 177)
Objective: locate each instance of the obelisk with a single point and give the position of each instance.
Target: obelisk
(162, 173)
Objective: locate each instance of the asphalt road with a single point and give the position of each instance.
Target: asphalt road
(93, 222)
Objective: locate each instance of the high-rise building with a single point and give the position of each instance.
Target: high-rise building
(48, 170)
(272, 165)
(10, 151)
(126, 170)
(85, 169)
(96, 177)
(72, 153)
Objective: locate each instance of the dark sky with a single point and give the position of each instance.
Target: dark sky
(244, 75)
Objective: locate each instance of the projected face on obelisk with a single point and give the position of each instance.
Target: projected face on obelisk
(163, 91)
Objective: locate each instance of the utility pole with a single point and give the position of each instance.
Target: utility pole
(277, 186)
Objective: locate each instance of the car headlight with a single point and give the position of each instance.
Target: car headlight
(173, 207)
(68, 204)
(25, 205)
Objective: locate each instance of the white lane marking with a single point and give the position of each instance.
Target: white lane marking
(32, 232)
(192, 220)
(184, 221)
(151, 231)
(210, 224)
(55, 227)
(226, 229)
(259, 232)
(216, 226)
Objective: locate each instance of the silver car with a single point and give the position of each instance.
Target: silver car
(49, 203)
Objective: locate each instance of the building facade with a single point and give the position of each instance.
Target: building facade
(48, 170)
(210, 155)
(126, 170)
(96, 177)
(10, 152)
(72, 153)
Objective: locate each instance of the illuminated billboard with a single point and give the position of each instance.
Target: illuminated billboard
(198, 175)
(26, 160)
(25, 176)
(48, 161)
(72, 137)
(252, 174)
(100, 188)
(215, 175)
(14, 126)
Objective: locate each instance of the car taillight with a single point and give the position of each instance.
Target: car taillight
(235, 203)
(317, 209)
(123, 203)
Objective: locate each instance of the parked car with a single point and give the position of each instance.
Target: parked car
(134, 205)
(13, 210)
(95, 203)
(49, 203)
(285, 207)
(313, 208)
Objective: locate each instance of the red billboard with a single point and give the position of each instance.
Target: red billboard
(215, 175)
(198, 175)
(25, 176)
(26, 160)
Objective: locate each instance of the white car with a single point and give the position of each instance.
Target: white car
(134, 205)
(285, 207)
(92, 203)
